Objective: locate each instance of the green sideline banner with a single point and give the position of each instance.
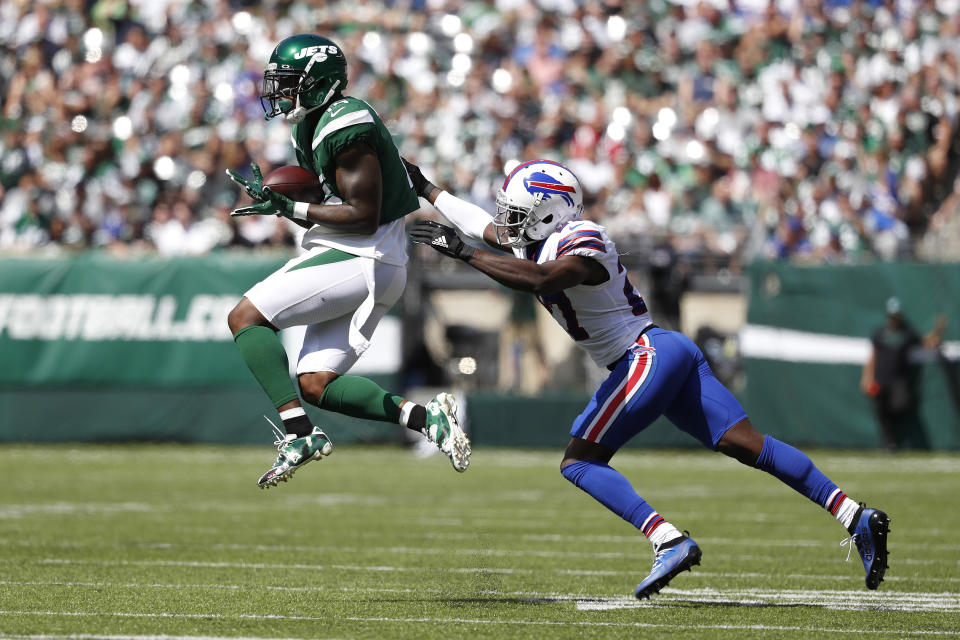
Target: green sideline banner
(99, 349)
(98, 321)
(808, 336)
(849, 300)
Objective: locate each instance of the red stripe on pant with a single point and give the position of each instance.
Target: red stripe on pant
(618, 398)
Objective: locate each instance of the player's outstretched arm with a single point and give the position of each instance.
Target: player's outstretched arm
(541, 279)
(523, 275)
(468, 218)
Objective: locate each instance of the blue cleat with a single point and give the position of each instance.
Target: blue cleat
(870, 536)
(672, 557)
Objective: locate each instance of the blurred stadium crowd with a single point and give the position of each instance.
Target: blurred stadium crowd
(723, 130)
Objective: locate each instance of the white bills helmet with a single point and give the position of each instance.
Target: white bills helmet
(536, 198)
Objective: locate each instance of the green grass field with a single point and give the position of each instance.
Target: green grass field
(122, 542)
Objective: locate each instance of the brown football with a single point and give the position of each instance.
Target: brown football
(296, 183)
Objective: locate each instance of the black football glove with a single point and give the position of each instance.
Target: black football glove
(421, 185)
(444, 239)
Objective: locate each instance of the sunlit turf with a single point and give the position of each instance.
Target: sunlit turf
(373, 542)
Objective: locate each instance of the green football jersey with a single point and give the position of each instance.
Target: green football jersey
(345, 122)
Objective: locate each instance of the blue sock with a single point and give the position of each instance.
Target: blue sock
(610, 488)
(795, 469)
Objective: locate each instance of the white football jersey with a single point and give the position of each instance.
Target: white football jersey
(604, 319)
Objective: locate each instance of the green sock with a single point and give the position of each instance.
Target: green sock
(264, 354)
(361, 398)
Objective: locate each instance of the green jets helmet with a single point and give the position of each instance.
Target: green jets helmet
(304, 72)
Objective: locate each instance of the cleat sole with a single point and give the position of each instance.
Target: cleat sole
(459, 445)
(880, 527)
(461, 450)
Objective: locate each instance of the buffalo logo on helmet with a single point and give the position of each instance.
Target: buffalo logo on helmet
(546, 185)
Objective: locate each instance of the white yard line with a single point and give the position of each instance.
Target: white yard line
(631, 550)
(272, 566)
(833, 599)
(482, 621)
(393, 568)
(692, 459)
(700, 460)
(225, 586)
(62, 508)
(9, 511)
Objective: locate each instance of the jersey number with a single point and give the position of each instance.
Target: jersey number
(562, 303)
(564, 306)
(633, 298)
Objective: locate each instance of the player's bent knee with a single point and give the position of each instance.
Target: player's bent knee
(742, 443)
(579, 450)
(736, 452)
(573, 469)
(235, 319)
(312, 385)
(243, 315)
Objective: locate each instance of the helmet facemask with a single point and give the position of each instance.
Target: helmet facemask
(281, 88)
(513, 220)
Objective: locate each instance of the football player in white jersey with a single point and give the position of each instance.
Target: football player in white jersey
(572, 267)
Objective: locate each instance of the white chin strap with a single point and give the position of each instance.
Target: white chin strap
(298, 113)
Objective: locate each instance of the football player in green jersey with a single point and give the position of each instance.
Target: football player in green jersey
(353, 268)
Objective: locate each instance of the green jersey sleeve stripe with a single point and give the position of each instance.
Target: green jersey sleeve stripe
(348, 120)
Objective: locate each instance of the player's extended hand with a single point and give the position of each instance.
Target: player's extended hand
(444, 239)
(421, 185)
(254, 186)
(274, 204)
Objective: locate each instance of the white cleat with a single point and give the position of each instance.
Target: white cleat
(443, 429)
